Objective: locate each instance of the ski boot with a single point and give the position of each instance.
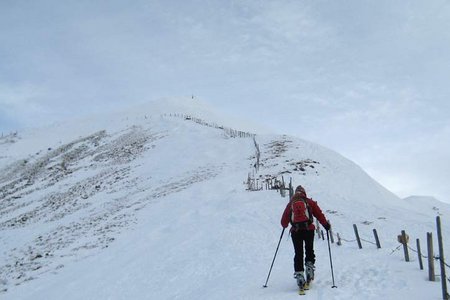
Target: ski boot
(309, 266)
(300, 276)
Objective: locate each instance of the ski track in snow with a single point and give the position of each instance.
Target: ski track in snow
(159, 211)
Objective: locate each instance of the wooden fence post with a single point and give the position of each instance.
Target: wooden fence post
(405, 245)
(331, 236)
(377, 240)
(441, 259)
(419, 254)
(317, 228)
(431, 275)
(339, 242)
(291, 189)
(357, 236)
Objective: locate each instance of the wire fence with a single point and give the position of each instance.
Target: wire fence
(355, 240)
(436, 257)
(228, 131)
(403, 239)
(367, 241)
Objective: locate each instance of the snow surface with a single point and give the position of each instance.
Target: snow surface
(148, 205)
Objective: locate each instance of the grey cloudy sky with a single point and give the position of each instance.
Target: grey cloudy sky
(369, 79)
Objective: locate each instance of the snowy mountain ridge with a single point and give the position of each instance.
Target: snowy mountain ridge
(146, 204)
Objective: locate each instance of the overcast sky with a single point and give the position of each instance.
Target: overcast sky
(369, 79)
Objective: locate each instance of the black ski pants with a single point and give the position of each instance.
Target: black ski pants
(300, 238)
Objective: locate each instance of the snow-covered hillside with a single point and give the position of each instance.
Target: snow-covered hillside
(148, 204)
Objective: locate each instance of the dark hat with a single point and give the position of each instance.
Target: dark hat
(300, 189)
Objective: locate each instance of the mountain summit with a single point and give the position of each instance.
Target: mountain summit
(153, 203)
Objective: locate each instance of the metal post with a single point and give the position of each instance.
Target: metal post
(291, 189)
(317, 228)
(441, 259)
(357, 236)
(431, 275)
(405, 245)
(377, 240)
(419, 254)
(331, 235)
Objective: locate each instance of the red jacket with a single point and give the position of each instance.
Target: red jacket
(315, 210)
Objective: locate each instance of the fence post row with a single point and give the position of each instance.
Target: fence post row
(232, 132)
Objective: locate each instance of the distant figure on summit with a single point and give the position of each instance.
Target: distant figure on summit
(299, 213)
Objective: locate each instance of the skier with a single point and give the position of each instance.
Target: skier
(299, 212)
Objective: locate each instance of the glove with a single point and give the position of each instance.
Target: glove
(327, 226)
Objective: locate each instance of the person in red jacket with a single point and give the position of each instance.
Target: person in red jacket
(303, 235)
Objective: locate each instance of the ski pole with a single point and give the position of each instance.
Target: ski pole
(331, 261)
(265, 285)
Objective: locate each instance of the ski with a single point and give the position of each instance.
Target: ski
(301, 292)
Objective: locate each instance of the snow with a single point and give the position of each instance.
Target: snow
(146, 205)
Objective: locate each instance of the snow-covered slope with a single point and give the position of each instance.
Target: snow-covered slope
(151, 204)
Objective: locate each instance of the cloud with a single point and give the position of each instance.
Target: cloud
(366, 79)
(18, 104)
